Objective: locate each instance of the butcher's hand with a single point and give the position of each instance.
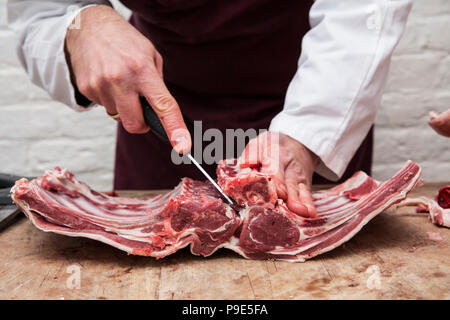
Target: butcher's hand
(289, 163)
(113, 64)
(440, 122)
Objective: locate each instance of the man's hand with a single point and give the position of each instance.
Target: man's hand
(440, 122)
(289, 163)
(113, 64)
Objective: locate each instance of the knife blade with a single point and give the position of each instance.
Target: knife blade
(152, 120)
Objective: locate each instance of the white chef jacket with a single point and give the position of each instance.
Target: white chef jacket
(330, 103)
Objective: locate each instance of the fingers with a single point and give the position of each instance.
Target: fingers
(125, 107)
(299, 198)
(250, 156)
(130, 109)
(276, 172)
(256, 155)
(289, 166)
(293, 200)
(112, 90)
(168, 111)
(117, 66)
(107, 102)
(109, 105)
(304, 195)
(262, 151)
(280, 186)
(159, 64)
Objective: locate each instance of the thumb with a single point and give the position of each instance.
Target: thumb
(168, 111)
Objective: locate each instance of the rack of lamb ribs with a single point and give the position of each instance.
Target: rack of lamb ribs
(193, 214)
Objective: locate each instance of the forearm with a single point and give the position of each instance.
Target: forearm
(332, 100)
(40, 27)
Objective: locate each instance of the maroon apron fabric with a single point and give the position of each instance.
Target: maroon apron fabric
(228, 63)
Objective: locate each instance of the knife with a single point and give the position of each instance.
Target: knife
(155, 124)
(8, 211)
(5, 196)
(8, 180)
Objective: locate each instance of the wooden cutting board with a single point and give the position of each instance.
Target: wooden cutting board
(391, 258)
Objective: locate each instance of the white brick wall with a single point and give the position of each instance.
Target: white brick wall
(419, 81)
(37, 133)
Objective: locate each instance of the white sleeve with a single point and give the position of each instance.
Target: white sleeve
(40, 27)
(331, 102)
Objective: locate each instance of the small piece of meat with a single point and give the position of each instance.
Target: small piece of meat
(438, 215)
(245, 185)
(443, 197)
(434, 236)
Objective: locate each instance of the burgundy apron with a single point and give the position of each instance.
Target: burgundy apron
(228, 63)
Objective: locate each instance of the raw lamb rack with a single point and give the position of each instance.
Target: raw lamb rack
(193, 214)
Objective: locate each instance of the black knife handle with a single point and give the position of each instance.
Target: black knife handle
(8, 180)
(152, 120)
(5, 197)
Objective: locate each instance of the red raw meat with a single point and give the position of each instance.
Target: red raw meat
(245, 185)
(277, 233)
(439, 210)
(443, 197)
(194, 214)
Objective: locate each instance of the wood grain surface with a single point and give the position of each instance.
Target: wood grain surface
(390, 258)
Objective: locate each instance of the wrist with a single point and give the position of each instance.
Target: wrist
(90, 18)
(314, 159)
(307, 154)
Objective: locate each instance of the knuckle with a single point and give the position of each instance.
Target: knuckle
(89, 87)
(164, 103)
(94, 84)
(149, 47)
(84, 88)
(291, 184)
(135, 66)
(296, 170)
(158, 57)
(114, 77)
